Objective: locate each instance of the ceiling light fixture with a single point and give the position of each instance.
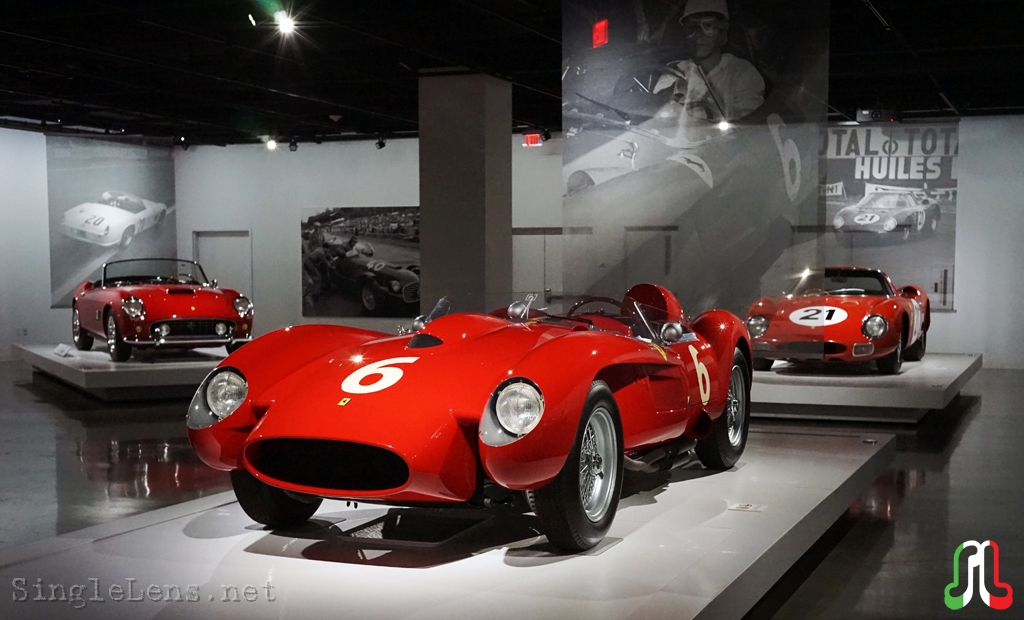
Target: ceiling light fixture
(284, 23)
(380, 142)
(271, 144)
(724, 126)
(252, 20)
(293, 145)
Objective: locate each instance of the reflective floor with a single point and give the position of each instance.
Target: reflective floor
(69, 461)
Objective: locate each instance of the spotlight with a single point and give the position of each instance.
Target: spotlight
(381, 143)
(545, 135)
(724, 126)
(252, 20)
(271, 144)
(293, 145)
(284, 23)
(184, 146)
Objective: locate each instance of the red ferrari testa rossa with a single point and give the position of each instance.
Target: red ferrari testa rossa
(555, 406)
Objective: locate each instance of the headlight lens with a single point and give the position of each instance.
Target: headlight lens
(225, 393)
(890, 225)
(875, 326)
(757, 325)
(395, 286)
(242, 305)
(519, 407)
(134, 307)
(838, 222)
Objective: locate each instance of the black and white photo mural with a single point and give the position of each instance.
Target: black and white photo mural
(361, 261)
(107, 201)
(691, 139)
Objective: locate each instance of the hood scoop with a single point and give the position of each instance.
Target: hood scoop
(424, 341)
(180, 291)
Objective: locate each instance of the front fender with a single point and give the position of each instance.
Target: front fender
(725, 332)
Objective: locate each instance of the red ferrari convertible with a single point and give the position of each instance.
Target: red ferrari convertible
(517, 400)
(158, 302)
(841, 314)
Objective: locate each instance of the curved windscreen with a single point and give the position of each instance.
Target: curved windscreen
(153, 271)
(841, 282)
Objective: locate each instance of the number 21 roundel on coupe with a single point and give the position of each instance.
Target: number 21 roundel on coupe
(550, 408)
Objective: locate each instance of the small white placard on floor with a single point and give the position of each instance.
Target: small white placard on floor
(748, 507)
(62, 350)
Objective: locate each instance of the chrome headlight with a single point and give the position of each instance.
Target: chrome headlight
(875, 326)
(395, 286)
(757, 325)
(219, 396)
(242, 305)
(519, 407)
(838, 222)
(890, 225)
(134, 308)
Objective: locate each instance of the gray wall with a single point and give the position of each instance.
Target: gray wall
(250, 188)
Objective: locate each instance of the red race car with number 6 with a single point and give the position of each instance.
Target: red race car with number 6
(518, 400)
(841, 314)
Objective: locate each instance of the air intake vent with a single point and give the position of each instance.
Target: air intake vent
(423, 341)
(326, 464)
(180, 291)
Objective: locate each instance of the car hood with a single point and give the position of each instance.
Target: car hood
(112, 216)
(171, 296)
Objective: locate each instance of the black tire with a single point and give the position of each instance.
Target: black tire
(915, 352)
(126, 237)
(368, 298)
(761, 363)
(119, 350)
(269, 505)
(891, 364)
(932, 224)
(724, 446)
(83, 340)
(234, 346)
(904, 232)
(560, 505)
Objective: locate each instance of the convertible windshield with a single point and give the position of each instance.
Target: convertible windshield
(840, 282)
(153, 271)
(123, 202)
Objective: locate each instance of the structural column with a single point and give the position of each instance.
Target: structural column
(465, 125)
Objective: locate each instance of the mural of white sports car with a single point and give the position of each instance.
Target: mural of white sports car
(115, 219)
(887, 214)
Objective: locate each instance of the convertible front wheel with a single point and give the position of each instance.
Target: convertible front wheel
(578, 506)
(269, 505)
(724, 446)
(119, 350)
(368, 297)
(82, 339)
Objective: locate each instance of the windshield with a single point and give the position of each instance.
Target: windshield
(123, 202)
(153, 271)
(840, 282)
(884, 201)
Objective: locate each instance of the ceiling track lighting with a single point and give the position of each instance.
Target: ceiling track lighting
(380, 142)
(271, 144)
(293, 145)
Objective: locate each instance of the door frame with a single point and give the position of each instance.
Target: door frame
(198, 234)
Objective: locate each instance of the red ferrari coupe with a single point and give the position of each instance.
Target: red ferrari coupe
(158, 302)
(841, 314)
(517, 400)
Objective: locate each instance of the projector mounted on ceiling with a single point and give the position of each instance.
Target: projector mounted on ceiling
(877, 115)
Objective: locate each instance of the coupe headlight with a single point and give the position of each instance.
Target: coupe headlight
(134, 308)
(242, 305)
(890, 225)
(395, 286)
(519, 407)
(757, 325)
(875, 326)
(225, 393)
(838, 222)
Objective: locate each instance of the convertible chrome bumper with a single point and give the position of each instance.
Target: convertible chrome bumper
(179, 342)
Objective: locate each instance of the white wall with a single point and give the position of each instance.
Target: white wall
(989, 279)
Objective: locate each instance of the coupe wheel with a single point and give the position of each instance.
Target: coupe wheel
(915, 352)
(368, 297)
(761, 363)
(724, 446)
(127, 236)
(269, 505)
(119, 350)
(82, 339)
(933, 222)
(891, 364)
(578, 506)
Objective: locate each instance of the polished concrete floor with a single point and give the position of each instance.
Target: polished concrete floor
(68, 462)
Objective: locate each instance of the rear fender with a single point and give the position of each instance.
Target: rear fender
(264, 363)
(725, 332)
(563, 369)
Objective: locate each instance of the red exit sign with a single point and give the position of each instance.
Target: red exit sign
(531, 139)
(600, 33)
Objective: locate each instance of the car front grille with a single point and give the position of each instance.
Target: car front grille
(411, 292)
(328, 464)
(192, 328)
(817, 349)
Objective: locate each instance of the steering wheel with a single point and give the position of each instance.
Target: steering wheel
(590, 300)
(184, 278)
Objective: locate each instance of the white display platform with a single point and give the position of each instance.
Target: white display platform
(146, 375)
(678, 548)
(859, 392)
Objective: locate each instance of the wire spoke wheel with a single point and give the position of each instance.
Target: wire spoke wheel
(111, 334)
(736, 406)
(597, 452)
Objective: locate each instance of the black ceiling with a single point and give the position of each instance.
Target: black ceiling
(199, 69)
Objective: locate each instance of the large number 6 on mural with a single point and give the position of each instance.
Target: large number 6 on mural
(389, 375)
(790, 155)
(703, 377)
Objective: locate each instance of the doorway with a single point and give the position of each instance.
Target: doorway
(227, 256)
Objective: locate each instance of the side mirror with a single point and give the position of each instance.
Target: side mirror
(671, 332)
(518, 311)
(213, 283)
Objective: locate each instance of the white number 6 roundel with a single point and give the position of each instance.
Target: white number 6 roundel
(384, 369)
(703, 377)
